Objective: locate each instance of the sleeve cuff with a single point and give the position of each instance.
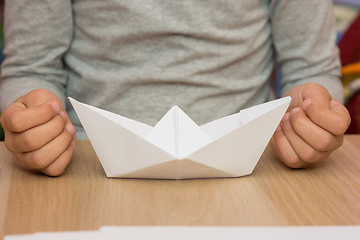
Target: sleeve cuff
(13, 88)
(332, 84)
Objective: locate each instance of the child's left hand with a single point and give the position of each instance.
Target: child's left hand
(313, 127)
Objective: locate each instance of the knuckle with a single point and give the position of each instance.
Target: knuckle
(29, 141)
(341, 126)
(323, 143)
(38, 160)
(16, 122)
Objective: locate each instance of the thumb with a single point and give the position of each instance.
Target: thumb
(37, 97)
(18, 117)
(335, 119)
(317, 93)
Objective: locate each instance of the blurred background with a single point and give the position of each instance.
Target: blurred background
(347, 13)
(348, 35)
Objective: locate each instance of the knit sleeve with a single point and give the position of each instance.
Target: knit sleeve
(304, 37)
(37, 35)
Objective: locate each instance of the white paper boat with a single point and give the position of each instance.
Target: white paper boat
(176, 147)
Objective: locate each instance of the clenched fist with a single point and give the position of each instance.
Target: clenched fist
(39, 133)
(313, 127)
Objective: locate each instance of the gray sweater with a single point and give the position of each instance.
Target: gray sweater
(139, 58)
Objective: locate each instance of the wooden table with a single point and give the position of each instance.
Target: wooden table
(84, 199)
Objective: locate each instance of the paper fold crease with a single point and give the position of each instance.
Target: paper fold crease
(176, 147)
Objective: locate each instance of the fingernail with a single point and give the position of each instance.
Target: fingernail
(286, 117)
(63, 115)
(70, 128)
(306, 104)
(55, 106)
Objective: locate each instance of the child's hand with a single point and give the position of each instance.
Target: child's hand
(312, 128)
(39, 133)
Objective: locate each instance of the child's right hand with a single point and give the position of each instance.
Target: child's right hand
(39, 133)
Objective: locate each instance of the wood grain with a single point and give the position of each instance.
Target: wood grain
(5, 177)
(84, 199)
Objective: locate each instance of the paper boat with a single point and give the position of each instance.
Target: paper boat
(176, 147)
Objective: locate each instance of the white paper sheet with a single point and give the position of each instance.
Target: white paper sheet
(197, 233)
(176, 147)
(74, 235)
(221, 233)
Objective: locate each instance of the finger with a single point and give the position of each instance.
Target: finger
(18, 118)
(37, 137)
(44, 156)
(318, 93)
(284, 150)
(345, 120)
(335, 119)
(8, 112)
(304, 151)
(317, 137)
(57, 167)
(39, 96)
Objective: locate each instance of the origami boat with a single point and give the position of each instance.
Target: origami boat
(176, 147)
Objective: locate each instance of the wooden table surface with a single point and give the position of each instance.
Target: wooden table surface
(84, 199)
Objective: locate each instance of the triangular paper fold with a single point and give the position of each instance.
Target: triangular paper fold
(178, 134)
(176, 147)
